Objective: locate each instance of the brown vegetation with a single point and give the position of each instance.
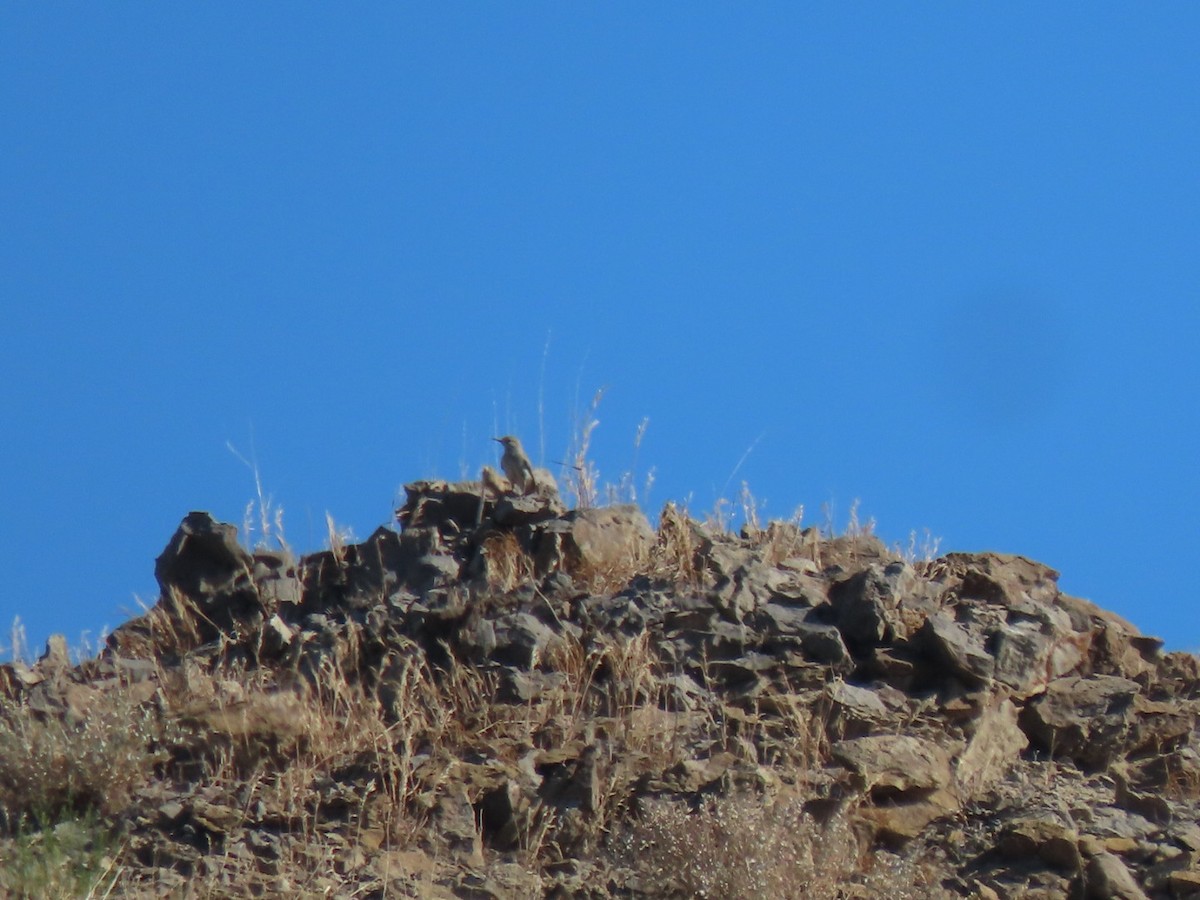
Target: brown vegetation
(555, 703)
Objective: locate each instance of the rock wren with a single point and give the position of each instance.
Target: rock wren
(516, 465)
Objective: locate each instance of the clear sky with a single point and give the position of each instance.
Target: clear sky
(942, 258)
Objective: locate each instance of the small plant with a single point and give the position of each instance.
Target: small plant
(262, 515)
(923, 552)
(18, 643)
(339, 538)
(743, 845)
(58, 764)
(855, 528)
(63, 855)
(626, 491)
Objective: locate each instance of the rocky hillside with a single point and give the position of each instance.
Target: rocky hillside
(501, 698)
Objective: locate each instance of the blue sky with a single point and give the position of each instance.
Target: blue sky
(940, 258)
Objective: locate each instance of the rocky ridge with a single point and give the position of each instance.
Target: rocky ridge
(506, 698)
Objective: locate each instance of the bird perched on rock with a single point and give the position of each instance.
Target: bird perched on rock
(516, 465)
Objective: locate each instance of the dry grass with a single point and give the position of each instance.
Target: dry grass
(51, 767)
(584, 481)
(675, 553)
(743, 845)
(506, 562)
(922, 549)
(328, 778)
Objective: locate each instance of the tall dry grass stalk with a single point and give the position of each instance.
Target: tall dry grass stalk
(584, 479)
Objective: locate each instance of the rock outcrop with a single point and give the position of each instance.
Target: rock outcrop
(548, 680)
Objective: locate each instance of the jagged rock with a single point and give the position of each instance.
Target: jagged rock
(473, 680)
(1046, 839)
(503, 813)
(456, 507)
(277, 636)
(277, 578)
(518, 686)
(417, 562)
(1115, 647)
(521, 640)
(203, 558)
(454, 818)
(530, 509)
(895, 824)
(851, 552)
(891, 765)
(444, 506)
(905, 778)
(788, 627)
(571, 781)
(203, 565)
(853, 711)
(1083, 719)
(1149, 805)
(691, 776)
(955, 650)
(867, 606)
(1000, 578)
(1029, 654)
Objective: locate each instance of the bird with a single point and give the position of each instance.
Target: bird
(516, 465)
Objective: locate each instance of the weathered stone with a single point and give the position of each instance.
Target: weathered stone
(444, 506)
(906, 779)
(521, 640)
(1119, 649)
(502, 813)
(277, 635)
(571, 782)
(897, 823)
(1002, 578)
(994, 746)
(1186, 835)
(277, 579)
(607, 539)
(785, 627)
(1028, 656)
(745, 591)
(893, 764)
(203, 558)
(454, 818)
(955, 651)
(690, 776)
(1049, 840)
(853, 711)
(856, 702)
(866, 605)
(206, 579)
(519, 686)
(1084, 719)
(1107, 878)
(1149, 805)
(1184, 884)
(862, 606)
